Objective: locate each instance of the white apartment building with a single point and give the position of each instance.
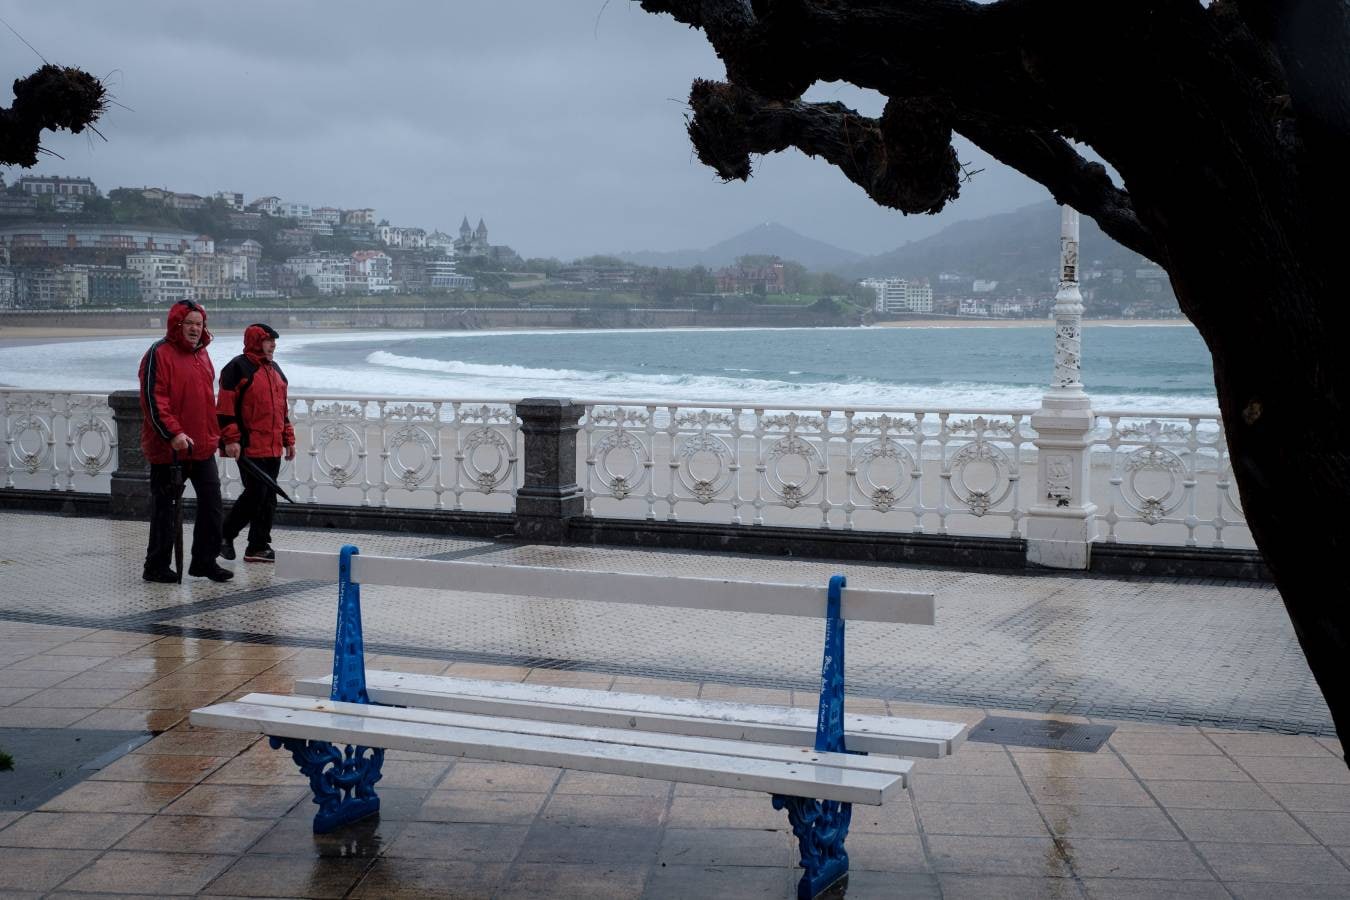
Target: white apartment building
(403, 238)
(441, 275)
(57, 184)
(327, 271)
(163, 276)
(233, 199)
(371, 272)
(902, 295)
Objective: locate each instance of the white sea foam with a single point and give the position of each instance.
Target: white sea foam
(105, 365)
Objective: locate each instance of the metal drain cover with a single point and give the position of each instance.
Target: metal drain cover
(1043, 734)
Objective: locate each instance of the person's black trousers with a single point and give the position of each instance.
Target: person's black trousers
(205, 529)
(255, 505)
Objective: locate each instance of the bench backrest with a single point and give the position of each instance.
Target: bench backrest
(859, 604)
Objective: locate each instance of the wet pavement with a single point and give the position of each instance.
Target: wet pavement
(1221, 778)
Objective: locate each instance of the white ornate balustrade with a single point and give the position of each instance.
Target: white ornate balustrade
(1159, 478)
(432, 453)
(1170, 478)
(868, 468)
(57, 440)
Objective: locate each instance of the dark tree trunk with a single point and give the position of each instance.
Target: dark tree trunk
(1229, 127)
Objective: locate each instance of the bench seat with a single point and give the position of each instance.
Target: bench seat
(918, 738)
(801, 771)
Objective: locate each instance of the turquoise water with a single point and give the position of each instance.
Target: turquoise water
(1153, 367)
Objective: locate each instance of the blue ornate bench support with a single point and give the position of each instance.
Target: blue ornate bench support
(343, 781)
(822, 825)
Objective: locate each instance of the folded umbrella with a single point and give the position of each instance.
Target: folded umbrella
(178, 482)
(263, 476)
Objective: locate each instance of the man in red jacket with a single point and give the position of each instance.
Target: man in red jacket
(178, 427)
(255, 423)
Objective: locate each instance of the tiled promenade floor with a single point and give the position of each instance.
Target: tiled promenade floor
(1199, 810)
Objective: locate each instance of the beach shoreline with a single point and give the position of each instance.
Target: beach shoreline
(19, 335)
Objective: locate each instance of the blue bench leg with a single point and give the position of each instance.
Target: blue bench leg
(343, 782)
(820, 827)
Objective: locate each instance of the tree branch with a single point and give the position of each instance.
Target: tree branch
(52, 98)
(1049, 159)
(903, 160)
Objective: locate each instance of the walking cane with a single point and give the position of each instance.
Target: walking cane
(178, 481)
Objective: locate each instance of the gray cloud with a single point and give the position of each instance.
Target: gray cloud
(561, 122)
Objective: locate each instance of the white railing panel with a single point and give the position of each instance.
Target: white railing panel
(57, 440)
(869, 468)
(1168, 480)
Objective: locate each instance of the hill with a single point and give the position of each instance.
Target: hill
(767, 239)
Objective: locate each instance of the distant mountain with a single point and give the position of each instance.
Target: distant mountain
(769, 238)
(1021, 246)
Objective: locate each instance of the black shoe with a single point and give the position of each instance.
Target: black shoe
(162, 576)
(210, 570)
(263, 554)
(226, 549)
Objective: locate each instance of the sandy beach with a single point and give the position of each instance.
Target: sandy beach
(1024, 323)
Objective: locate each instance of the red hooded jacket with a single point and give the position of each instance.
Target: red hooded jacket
(251, 408)
(177, 392)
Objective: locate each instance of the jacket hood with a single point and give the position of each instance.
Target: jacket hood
(254, 335)
(177, 313)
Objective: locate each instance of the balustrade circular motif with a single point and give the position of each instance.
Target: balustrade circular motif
(1144, 462)
(424, 445)
(625, 482)
(486, 442)
(25, 456)
(96, 458)
(979, 500)
(793, 488)
(339, 450)
(695, 454)
(884, 495)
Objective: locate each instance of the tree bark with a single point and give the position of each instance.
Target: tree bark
(1229, 128)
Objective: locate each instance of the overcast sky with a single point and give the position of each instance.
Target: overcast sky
(559, 122)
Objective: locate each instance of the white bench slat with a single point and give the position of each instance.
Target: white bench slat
(859, 604)
(795, 779)
(920, 738)
(883, 764)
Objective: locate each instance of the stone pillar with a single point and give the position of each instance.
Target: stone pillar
(1060, 522)
(550, 495)
(131, 478)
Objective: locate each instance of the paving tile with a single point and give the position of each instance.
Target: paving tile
(195, 834)
(982, 887)
(480, 776)
(34, 717)
(1062, 764)
(567, 844)
(14, 695)
(424, 879)
(969, 789)
(1325, 769)
(237, 800)
(964, 763)
(294, 835)
(719, 883)
(134, 719)
(573, 782)
(987, 819)
(1327, 827)
(467, 842)
(145, 767)
(200, 742)
(256, 875)
(1088, 792)
(487, 807)
(1172, 744)
(1137, 823)
(1211, 795)
(1249, 826)
(602, 882)
(1173, 860)
(1027, 857)
(1280, 863)
(1176, 767)
(115, 797)
(893, 885)
(1265, 890)
(896, 817)
(153, 874)
(1153, 889)
(603, 811)
(28, 869)
(68, 830)
(1247, 743)
(884, 853)
(751, 812)
(1312, 797)
(728, 847)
